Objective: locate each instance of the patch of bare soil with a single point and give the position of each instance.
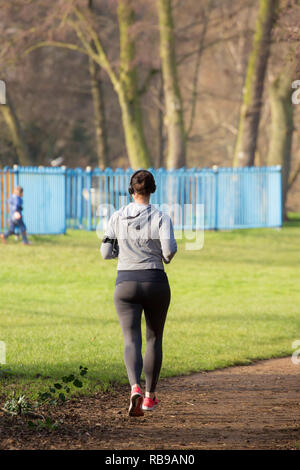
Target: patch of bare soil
(243, 407)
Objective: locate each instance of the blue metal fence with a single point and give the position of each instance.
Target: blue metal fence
(44, 198)
(231, 197)
(228, 198)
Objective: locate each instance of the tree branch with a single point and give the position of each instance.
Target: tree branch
(184, 57)
(102, 57)
(61, 44)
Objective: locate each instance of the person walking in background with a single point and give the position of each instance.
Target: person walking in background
(142, 238)
(15, 216)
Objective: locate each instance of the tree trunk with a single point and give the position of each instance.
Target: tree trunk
(282, 126)
(176, 154)
(16, 132)
(128, 90)
(244, 154)
(160, 125)
(99, 116)
(99, 111)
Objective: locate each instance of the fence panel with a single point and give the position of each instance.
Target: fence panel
(44, 198)
(231, 197)
(59, 198)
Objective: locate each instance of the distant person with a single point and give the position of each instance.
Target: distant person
(15, 216)
(142, 238)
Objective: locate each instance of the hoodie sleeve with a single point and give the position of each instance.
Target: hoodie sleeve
(109, 248)
(167, 239)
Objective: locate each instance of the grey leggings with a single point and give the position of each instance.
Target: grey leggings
(131, 298)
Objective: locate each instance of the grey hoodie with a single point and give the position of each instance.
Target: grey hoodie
(145, 237)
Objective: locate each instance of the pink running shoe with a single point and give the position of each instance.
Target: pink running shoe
(136, 400)
(149, 404)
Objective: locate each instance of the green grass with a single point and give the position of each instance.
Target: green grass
(236, 300)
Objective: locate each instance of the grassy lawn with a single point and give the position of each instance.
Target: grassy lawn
(236, 300)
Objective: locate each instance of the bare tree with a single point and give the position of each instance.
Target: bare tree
(16, 131)
(99, 110)
(245, 147)
(280, 95)
(125, 82)
(129, 95)
(282, 124)
(176, 154)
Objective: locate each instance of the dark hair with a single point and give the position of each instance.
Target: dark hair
(142, 182)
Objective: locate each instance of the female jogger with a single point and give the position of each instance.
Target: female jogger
(142, 238)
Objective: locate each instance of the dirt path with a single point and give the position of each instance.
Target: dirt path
(247, 407)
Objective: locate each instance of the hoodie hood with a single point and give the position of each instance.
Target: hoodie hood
(135, 220)
(135, 211)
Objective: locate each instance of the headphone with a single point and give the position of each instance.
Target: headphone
(131, 189)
